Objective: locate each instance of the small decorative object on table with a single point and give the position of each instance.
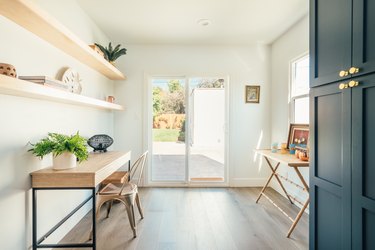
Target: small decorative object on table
(284, 149)
(110, 54)
(292, 148)
(252, 94)
(8, 70)
(66, 150)
(274, 147)
(100, 142)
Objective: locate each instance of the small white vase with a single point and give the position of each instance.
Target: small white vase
(64, 161)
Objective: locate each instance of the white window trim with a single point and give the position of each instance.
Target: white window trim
(292, 98)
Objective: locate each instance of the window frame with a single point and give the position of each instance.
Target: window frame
(292, 99)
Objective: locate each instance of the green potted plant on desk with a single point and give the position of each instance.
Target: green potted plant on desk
(66, 150)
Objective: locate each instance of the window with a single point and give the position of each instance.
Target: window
(299, 94)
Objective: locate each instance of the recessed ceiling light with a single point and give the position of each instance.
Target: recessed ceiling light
(203, 22)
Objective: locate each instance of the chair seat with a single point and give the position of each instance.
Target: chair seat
(117, 177)
(112, 189)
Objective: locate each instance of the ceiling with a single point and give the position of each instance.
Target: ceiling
(232, 22)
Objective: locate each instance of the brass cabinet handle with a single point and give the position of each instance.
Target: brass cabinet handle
(343, 86)
(353, 84)
(343, 73)
(353, 70)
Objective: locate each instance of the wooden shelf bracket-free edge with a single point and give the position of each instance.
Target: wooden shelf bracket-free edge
(31, 17)
(17, 87)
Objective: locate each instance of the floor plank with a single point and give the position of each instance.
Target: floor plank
(199, 218)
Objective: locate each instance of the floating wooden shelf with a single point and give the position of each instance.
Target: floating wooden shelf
(39, 22)
(17, 87)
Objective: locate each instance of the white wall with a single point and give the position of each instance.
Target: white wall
(208, 117)
(294, 43)
(249, 123)
(24, 120)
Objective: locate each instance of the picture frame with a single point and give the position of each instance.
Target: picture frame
(298, 135)
(252, 93)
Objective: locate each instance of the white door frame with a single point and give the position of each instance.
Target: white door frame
(147, 139)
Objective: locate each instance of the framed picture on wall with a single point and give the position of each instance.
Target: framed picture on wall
(252, 93)
(298, 135)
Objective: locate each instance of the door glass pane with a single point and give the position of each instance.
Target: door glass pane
(168, 130)
(206, 129)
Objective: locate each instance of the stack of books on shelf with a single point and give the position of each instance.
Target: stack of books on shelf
(46, 81)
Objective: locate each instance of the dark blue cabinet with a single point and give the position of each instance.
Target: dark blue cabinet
(342, 123)
(342, 173)
(363, 163)
(342, 40)
(330, 169)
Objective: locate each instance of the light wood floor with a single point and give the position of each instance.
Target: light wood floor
(199, 218)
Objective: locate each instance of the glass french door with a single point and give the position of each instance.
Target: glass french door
(188, 129)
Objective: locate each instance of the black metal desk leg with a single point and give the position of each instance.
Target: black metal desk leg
(93, 219)
(34, 218)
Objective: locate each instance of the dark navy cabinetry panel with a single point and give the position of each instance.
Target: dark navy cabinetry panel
(330, 44)
(342, 37)
(364, 36)
(330, 172)
(342, 124)
(363, 166)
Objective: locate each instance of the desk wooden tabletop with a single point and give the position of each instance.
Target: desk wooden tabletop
(288, 159)
(87, 174)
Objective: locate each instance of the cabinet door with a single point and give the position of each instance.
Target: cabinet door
(364, 36)
(363, 166)
(330, 180)
(330, 40)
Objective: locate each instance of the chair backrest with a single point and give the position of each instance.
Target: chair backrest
(137, 168)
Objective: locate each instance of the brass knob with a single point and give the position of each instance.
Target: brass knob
(343, 73)
(343, 86)
(353, 84)
(353, 70)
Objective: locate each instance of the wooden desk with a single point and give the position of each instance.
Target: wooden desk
(290, 161)
(87, 175)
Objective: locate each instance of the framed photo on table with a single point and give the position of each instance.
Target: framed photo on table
(298, 135)
(252, 94)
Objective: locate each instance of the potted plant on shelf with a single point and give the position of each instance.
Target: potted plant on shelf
(66, 150)
(110, 54)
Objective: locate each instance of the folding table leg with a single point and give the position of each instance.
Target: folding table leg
(299, 215)
(269, 179)
(278, 180)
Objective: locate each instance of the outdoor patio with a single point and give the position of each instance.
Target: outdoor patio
(168, 163)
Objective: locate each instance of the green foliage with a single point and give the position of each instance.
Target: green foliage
(174, 86)
(156, 100)
(165, 135)
(181, 135)
(111, 54)
(211, 83)
(58, 143)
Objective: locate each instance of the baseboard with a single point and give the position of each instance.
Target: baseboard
(247, 182)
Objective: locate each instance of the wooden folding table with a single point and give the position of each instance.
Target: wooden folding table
(290, 161)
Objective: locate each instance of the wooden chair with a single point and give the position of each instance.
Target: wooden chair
(127, 193)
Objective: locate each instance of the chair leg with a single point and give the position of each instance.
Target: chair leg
(139, 205)
(130, 211)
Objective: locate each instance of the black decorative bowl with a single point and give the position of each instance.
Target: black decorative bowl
(100, 142)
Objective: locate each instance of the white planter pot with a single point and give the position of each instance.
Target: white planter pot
(64, 161)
